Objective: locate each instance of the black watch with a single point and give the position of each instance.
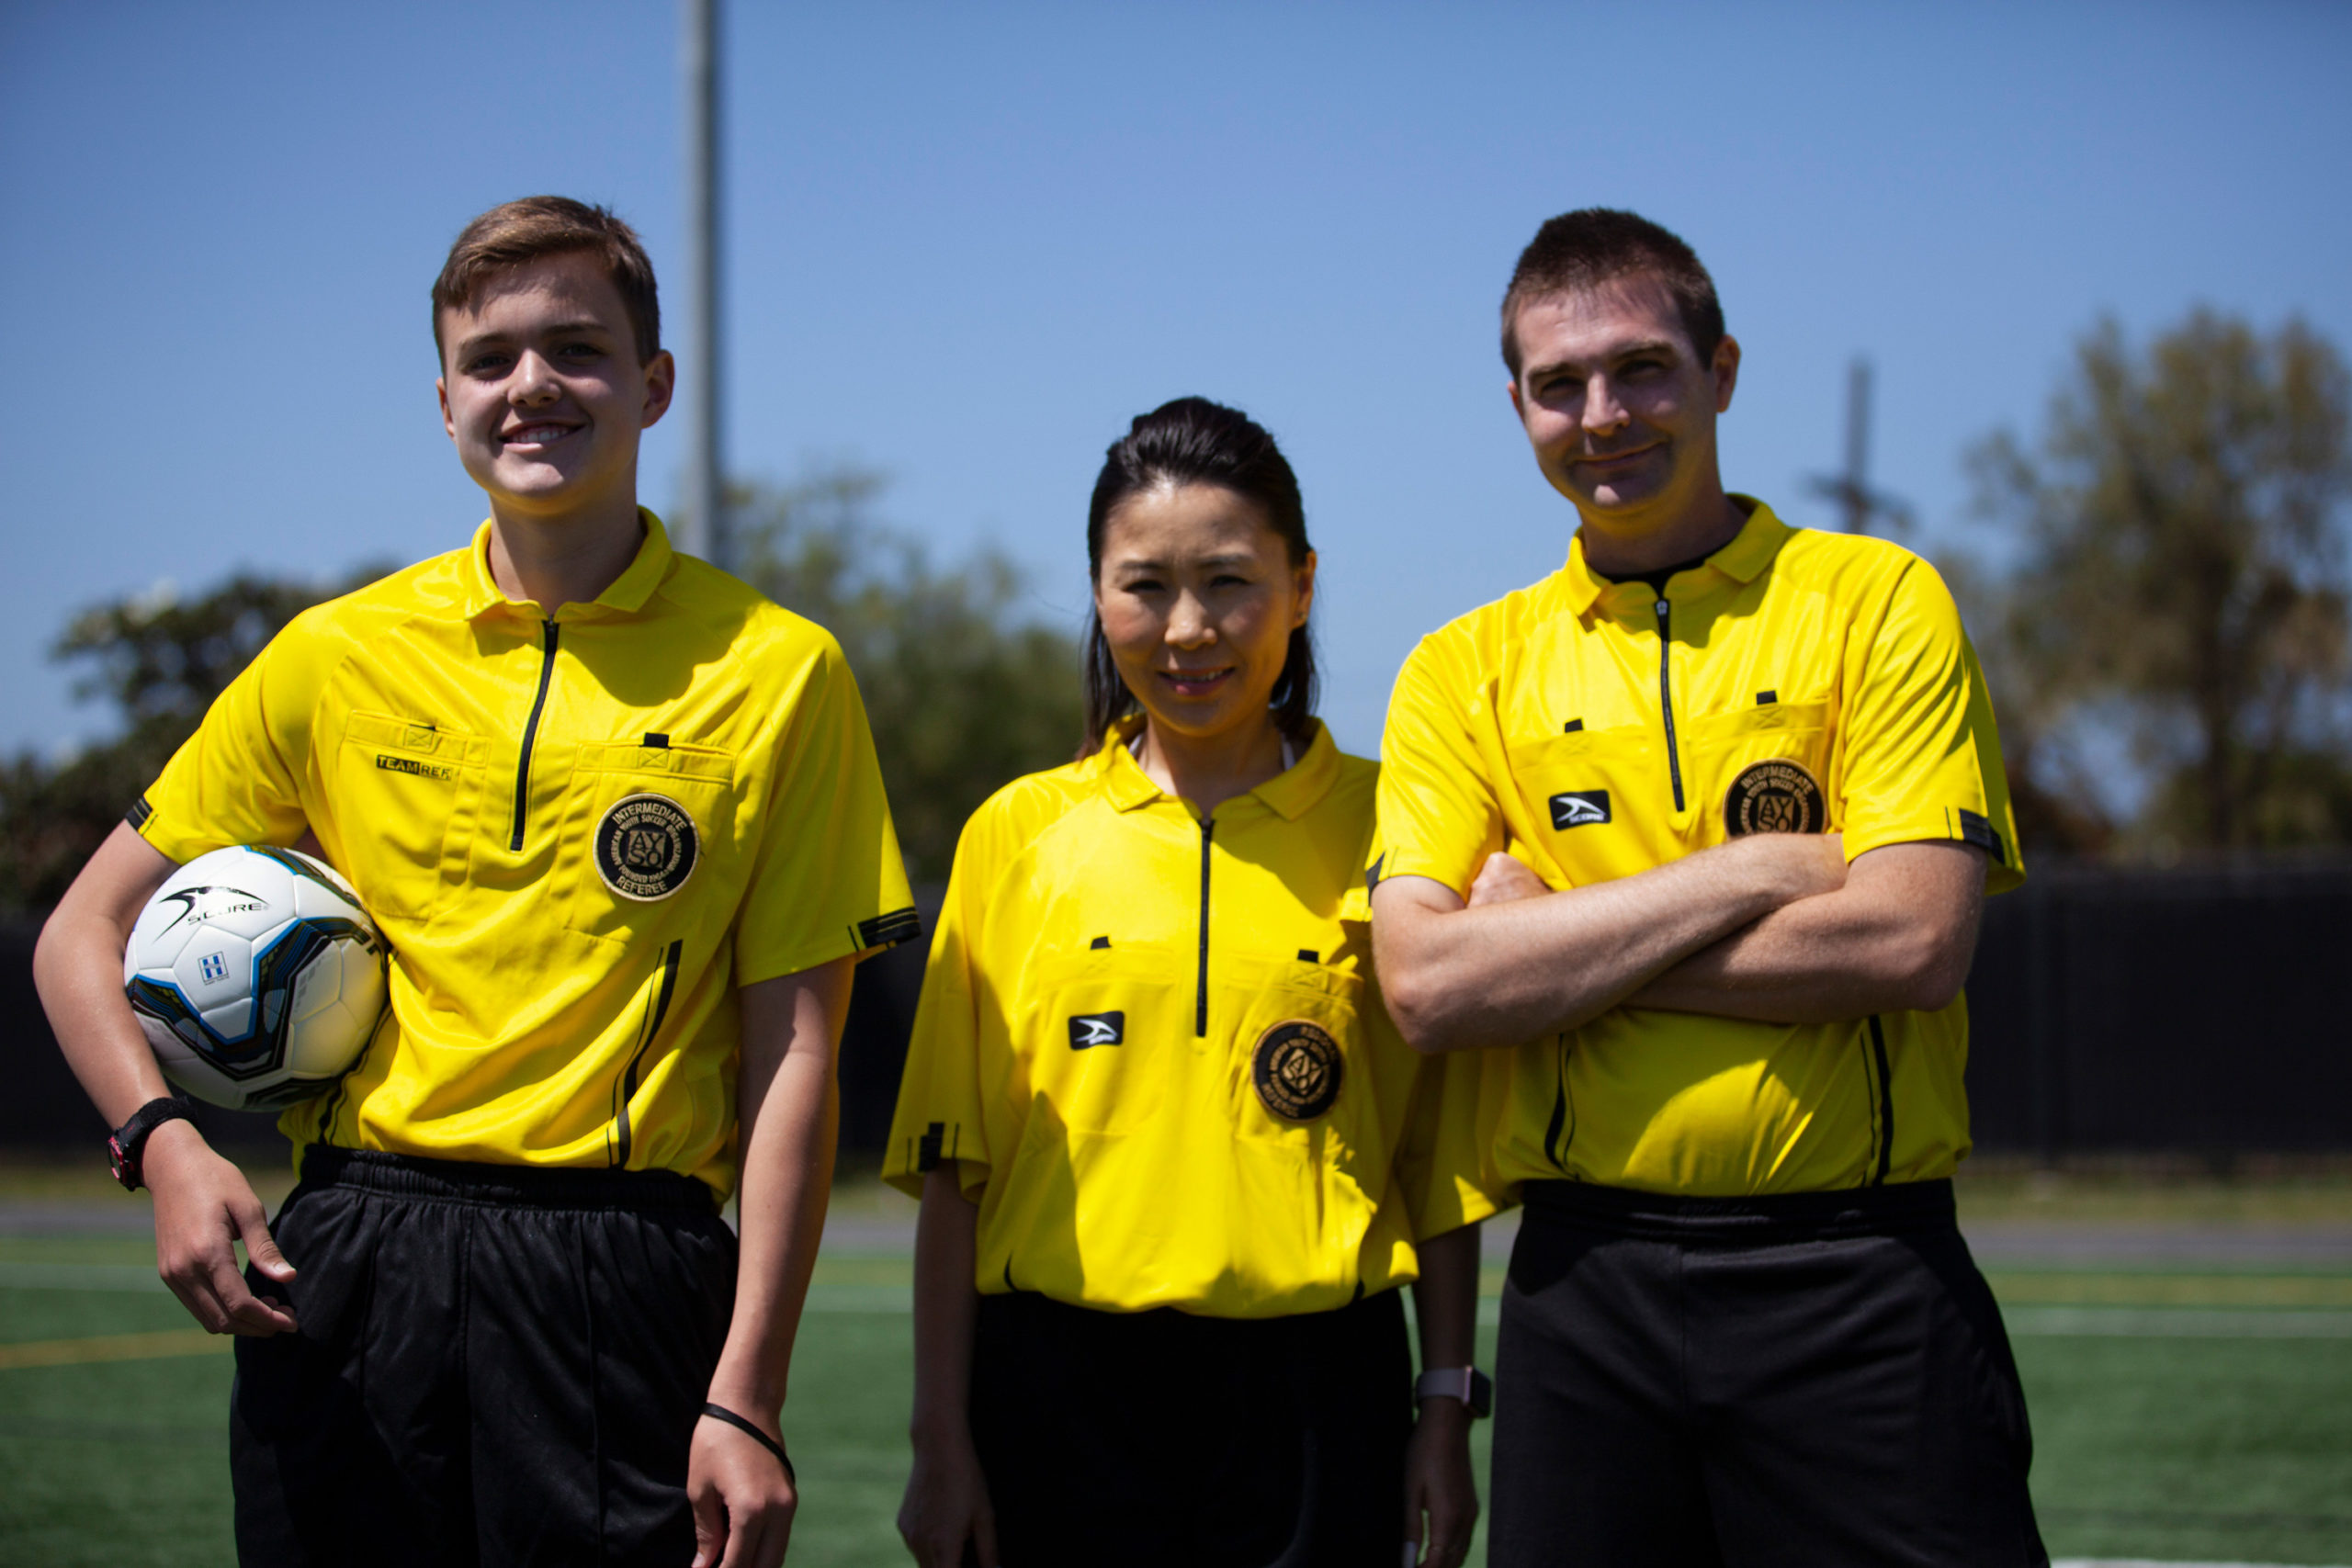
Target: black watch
(126, 1143)
(1468, 1384)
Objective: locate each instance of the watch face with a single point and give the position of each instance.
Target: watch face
(114, 1160)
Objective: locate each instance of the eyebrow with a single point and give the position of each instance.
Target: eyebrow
(559, 329)
(1625, 351)
(1155, 564)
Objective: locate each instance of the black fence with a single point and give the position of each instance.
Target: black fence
(2205, 1011)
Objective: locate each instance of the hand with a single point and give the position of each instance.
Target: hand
(1438, 1483)
(204, 1206)
(1801, 865)
(742, 1501)
(1503, 880)
(947, 1505)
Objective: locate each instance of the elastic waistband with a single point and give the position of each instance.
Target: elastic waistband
(504, 1186)
(1908, 1206)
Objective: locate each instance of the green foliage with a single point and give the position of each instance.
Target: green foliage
(160, 660)
(963, 695)
(2180, 581)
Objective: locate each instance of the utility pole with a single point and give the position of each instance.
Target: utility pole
(1851, 490)
(703, 501)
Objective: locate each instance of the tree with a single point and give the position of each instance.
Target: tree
(161, 660)
(2180, 579)
(964, 694)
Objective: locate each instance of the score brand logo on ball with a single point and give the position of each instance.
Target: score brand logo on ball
(256, 976)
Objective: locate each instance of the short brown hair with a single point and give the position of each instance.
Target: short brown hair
(517, 233)
(1592, 246)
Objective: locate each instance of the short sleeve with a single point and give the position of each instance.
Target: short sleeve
(828, 882)
(1438, 814)
(238, 780)
(1922, 755)
(940, 1116)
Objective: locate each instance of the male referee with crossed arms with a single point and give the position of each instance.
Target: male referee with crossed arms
(1691, 839)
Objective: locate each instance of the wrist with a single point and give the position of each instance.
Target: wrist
(936, 1429)
(161, 1153)
(747, 1393)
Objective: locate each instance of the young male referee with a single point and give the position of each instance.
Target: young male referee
(1691, 838)
(620, 818)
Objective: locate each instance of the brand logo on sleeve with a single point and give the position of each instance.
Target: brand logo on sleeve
(1097, 1028)
(1296, 1069)
(1579, 807)
(1777, 796)
(646, 847)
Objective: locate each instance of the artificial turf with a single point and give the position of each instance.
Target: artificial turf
(2183, 1448)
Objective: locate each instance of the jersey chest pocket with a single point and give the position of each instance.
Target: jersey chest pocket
(1598, 802)
(1294, 1068)
(406, 794)
(1106, 1035)
(647, 834)
(1766, 769)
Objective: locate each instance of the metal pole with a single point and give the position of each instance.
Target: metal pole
(1857, 447)
(702, 501)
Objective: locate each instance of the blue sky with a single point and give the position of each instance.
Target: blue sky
(967, 243)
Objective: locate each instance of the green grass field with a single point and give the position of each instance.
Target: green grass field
(2185, 1411)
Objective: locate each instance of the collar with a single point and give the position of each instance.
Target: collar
(1290, 795)
(626, 595)
(1743, 559)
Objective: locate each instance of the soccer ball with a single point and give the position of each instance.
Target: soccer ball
(256, 975)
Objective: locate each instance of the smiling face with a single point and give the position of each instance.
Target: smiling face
(1197, 598)
(1620, 409)
(542, 391)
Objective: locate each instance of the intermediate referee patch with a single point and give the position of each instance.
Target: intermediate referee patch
(646, 847)
(1777, 796)
(1296, 1069)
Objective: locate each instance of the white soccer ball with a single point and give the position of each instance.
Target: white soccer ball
(258, 977)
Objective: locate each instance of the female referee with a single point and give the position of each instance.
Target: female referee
(1175, 1163)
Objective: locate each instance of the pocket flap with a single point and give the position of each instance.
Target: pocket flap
(664, 761)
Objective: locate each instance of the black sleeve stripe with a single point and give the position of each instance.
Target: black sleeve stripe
(1980, 832)
(139, 813)
(888, 931)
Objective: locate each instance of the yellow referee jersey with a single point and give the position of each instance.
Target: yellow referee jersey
(1151, 1044)
(1797, 682)
(579, 833)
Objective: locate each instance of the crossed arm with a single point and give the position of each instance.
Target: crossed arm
(1775, 927)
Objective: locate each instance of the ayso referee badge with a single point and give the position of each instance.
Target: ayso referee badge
(1296, 1068)
(646, 847)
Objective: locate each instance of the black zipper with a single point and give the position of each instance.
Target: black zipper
(652, 1028)
(1885, 1104)
(1666, 691)
(530, 734)
(1200, 1001)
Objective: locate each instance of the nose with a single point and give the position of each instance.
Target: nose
(534, 381)
(1603, 414)
(1188, 623)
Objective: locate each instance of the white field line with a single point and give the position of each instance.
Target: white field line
(136, 1277)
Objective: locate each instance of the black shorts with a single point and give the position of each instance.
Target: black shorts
(1156, 1438)
(1815, 1379)
(497, 1364)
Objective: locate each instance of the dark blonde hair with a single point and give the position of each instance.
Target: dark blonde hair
(1194, 440)
(517, 233)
